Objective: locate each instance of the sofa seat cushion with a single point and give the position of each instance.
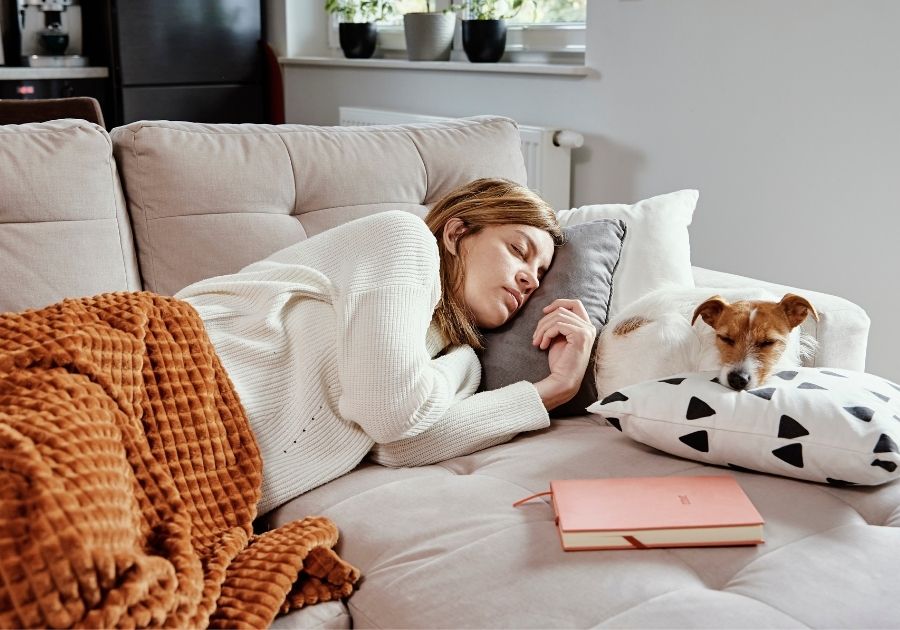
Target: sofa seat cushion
(64, 231)
(442, 546)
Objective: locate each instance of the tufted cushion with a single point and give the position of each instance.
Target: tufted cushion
(207, 200)
(442, 546)
(63, 227)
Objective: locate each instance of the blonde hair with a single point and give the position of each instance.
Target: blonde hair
(478, 204)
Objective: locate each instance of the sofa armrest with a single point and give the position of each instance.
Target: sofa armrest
(842, 330)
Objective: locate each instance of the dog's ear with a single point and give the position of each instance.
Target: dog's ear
(797, 308)
(710, 310)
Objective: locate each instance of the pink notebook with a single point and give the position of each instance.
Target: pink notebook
(647, 512)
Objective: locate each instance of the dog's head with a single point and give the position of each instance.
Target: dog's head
(751, 336)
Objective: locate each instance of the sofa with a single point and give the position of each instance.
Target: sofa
(157, 205)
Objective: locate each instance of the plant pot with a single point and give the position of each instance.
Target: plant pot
(429, 35)
(358, 39)
(484, 40)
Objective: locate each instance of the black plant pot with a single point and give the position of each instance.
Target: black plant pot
(358, 39)
(484, 40)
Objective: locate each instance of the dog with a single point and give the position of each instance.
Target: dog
(685, 330)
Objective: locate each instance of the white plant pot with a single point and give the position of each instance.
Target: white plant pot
(429, 35)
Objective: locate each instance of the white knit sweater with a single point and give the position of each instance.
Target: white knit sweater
(330, 346)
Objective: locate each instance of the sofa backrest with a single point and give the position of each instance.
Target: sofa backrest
(64, 230)
(206, 200)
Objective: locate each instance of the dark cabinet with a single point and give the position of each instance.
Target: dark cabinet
(167, 42)
(197, 60)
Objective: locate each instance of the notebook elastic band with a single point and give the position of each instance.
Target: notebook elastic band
(527, 499)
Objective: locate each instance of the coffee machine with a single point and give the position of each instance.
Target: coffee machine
(50, 33)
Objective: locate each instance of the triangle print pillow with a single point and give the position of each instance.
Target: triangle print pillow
(820, 424)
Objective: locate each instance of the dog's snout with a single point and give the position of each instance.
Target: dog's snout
(738, 380)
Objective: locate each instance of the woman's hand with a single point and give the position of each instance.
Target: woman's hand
(567, 331)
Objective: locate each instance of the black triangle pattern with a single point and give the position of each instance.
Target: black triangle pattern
(881, 396)
(834, 374)
(790, 429)
(615, 422)
(673, 381)
(897, 418)
(741, 468)
(888, 466)
(715, 379)
(765, 392)
(698, 409)
(810, 386)
(886, 445)
(863, 413)
(792, 454)
(840, 483)
(787, 375)
(698, 440)
(614, 397)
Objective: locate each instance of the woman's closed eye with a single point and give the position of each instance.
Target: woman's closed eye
(520, 252)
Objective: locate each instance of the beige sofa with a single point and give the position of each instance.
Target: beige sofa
(158, 205)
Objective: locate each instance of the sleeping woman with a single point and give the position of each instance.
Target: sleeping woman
(362, 339)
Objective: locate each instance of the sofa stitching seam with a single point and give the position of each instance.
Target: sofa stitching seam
(293, 211)
(115, 180)
(421, 159)
(150, 255)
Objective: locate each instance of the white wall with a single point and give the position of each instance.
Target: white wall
(785, 115)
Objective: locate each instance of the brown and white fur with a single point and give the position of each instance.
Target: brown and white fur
(685, 330)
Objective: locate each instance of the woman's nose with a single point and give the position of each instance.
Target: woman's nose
(528, 281)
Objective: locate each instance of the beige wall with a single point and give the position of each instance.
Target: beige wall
(785, 115)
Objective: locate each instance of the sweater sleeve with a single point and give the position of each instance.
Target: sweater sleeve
(474, 423)
(387, 288)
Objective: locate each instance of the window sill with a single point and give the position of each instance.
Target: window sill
(448, 66)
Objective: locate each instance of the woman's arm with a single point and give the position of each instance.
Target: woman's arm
(388, 288)
(472, 424)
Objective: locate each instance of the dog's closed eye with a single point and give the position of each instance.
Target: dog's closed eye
(765, 343)
(727, 340)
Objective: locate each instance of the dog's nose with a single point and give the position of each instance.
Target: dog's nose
(738, 380)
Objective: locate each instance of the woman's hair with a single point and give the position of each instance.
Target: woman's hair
(480, 203)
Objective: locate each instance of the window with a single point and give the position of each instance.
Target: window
(543, 31)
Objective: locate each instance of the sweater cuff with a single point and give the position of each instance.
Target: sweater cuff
(523, 402)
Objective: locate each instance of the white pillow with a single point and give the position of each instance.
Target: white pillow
(821, 424)
(657, 250)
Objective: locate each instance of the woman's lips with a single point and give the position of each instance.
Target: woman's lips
(511, 299)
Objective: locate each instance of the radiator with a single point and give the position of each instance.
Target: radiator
(547, 151)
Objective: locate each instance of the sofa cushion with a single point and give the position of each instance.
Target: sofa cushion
(441, 546)
(582, 269)
(64, 231)
(658, 250)
(207, 200)
(820, 424)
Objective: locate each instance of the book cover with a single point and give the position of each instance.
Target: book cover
(648, 512)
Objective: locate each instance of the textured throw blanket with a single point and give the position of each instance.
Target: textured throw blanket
(129, 479)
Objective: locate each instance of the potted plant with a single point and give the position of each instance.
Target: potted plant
(429, 35)
(358, 31)
(484, 32)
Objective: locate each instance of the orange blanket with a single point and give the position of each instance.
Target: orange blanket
(129, 478)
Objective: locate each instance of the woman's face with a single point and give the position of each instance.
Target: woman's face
(503, 264)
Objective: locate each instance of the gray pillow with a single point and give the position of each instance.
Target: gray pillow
(582, 268)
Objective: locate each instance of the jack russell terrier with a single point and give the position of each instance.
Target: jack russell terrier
(744, 340)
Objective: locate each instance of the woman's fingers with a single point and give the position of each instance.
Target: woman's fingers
(546, 321)
(574, 306)
(559, 315)
(572, 332)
